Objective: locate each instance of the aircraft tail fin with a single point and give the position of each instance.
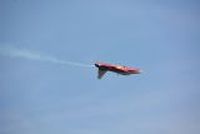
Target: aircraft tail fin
(101, 73)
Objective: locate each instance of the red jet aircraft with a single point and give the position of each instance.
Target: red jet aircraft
(123, 70)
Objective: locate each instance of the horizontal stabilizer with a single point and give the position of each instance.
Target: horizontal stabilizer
(101, 73)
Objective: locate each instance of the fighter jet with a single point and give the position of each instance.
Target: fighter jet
(119, 69)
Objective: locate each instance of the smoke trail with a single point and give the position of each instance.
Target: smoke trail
(23, 53)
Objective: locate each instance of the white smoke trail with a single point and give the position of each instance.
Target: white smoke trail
(23, 53)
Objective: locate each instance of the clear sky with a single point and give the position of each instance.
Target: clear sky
(159, 36)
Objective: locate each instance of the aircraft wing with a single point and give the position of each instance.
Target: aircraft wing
(101, 73)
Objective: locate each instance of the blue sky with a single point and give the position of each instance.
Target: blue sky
(161, 37)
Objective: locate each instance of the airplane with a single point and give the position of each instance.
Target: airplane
(119, 69)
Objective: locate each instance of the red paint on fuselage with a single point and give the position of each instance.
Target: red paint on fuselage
(117, 68)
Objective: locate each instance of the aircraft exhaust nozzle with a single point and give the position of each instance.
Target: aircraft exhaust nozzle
(97, 65)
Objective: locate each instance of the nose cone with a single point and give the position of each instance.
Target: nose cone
(140, 71)
(136, 71)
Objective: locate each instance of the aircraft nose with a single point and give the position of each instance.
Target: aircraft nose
(140, 71)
